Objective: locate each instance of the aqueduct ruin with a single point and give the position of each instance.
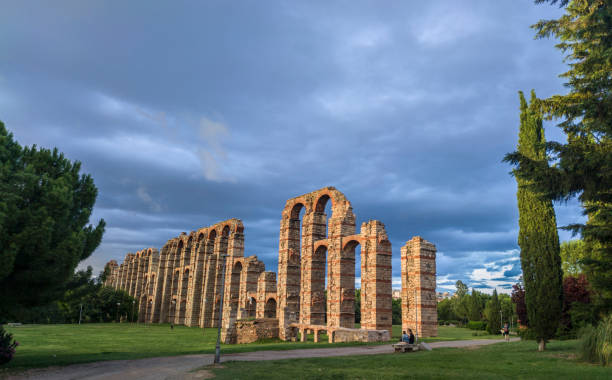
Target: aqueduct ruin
(315, 292)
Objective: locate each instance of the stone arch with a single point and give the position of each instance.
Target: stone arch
(347, 282)
(299, 258)
(250, 307)
(225, 231)
(270, 308)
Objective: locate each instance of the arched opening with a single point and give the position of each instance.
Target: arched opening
(151, 284)
(347, 283)
(323, 211)
(226, 231)
(270, 308)
(319, 286)
(175, 282)
(235, 281)
(182, 309)
(187, 253)
(185, 282)
(149, 312)
(251, 307)
(234, 291)
(172, 312)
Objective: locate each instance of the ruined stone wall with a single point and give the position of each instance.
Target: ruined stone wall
(249, 331)
(186, 280)
(266, 295)
(112, 269)
(419, 304)
(330, 244)
(182, 283)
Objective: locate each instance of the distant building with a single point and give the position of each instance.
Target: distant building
(396, 294)
(443, 296)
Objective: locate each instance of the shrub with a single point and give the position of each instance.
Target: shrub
(477, 325)
(526, 333)
(7, 348)
(596, 342)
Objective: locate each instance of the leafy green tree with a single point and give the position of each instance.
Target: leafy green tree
(45, 205)
(396, 311)
(538, 238)
(583, 164)
(507, 308)
(492, 312)
(462, 289)
(446, 311)
(357, 305)
(476, 306)
(461, 301)
(573, 252)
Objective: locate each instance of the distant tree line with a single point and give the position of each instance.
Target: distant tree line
(85, 299)
(477, 310)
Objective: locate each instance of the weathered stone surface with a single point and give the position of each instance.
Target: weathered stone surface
(185, 282)
(249, 331)
(419, 304)
(360, 335)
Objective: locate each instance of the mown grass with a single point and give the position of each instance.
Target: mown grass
(516, 360)
(47, 345)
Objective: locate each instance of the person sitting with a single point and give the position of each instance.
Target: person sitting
(410, 337)
(405, 337)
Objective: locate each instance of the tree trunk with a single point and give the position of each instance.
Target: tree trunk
(541, 345)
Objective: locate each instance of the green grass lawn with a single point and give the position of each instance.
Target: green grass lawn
(46, 345)
(516, 360)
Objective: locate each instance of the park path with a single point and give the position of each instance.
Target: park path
(179, 367)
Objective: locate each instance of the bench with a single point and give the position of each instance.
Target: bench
(405, 347)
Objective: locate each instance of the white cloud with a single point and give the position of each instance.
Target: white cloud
(146, 198)
(444, 25)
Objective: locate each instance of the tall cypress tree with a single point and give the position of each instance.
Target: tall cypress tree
(583, 163)
(538, 238)
(492, 311)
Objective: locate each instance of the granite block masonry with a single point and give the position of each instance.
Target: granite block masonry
(315, 287)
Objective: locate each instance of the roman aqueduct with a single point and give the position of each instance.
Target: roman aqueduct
(185, 282)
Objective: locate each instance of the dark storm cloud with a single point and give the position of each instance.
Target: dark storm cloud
(188, 113)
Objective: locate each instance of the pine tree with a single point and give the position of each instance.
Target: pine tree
(583, 164)
(45, 205)
(538, 238)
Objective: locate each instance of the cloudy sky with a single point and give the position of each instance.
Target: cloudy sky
(187, 113)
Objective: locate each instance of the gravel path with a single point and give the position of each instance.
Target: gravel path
(179, 367)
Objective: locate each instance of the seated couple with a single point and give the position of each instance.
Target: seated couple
(408, 338)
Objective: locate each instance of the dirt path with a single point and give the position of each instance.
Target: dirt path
(179, 367)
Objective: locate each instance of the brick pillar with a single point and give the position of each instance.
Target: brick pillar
(138, 275)
(341, 268)
(220, 252)
(248, 285)
(289, 270)
(419, 306)
(376, 277)
(194, 295)
(121, 276)
(166, 291)
(208, 287)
